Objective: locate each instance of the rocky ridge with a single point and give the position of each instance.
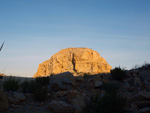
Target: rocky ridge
(70, 94)
(75, 60)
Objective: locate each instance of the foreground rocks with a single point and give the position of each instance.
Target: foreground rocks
(63, 81)
(75, 60)
(71, 94)
(3, 101)
(60, 107)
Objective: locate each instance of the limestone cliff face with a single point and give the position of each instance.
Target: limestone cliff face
(75, 60)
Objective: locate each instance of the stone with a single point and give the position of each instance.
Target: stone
(72, 94)
(19, 96)
(74, 60)
(144, 95)
(145, 75)
(4, 105)
(137, 81)
(79, 102)
(145, 110)
(60, 107)
(13, 100)
(60, 93)
(96, 78)
(98, 84)
(63, 81)
(143, 104)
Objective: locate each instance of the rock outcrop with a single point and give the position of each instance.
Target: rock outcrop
(75, 94)
(75, 60)
(3, 101)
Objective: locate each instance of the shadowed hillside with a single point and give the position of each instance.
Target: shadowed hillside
(117, 92)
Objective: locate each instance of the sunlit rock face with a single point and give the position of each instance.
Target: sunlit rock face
(75, 60)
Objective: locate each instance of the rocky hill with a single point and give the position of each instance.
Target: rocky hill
(65, 93)
(75, 60)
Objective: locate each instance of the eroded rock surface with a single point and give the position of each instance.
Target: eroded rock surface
(75, 60)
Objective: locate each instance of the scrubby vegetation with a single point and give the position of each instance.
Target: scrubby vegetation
(28, 86)
(40, 94)
(42, 81)
(118, 73)
(86, 75)
(11, 84)
(110, 87)
(40, 91)
(110, 102)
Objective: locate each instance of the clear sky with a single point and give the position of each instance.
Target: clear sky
(34, 30)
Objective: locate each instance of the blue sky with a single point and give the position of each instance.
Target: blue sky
(34, 30)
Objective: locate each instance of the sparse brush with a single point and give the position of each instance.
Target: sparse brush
(11, 84)
(110, 87)
(86, 75)
(111, 102)
(25, 86)
(40, 94)
(39, 88)
(32, 86)
(118, 73)
(42, 80)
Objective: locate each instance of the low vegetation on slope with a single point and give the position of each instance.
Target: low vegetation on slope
(117, 92)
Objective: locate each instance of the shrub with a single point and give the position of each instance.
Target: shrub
(111, 102)
(118, 73)
(11, 84)
(40, 94)
(42, 81)
(37, 87)
(27, 86)
(40, 88)
(86, 75)
(110, 87)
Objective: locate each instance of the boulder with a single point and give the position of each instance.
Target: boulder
(145, 76)
(19, 96)
(145, 110)
(98, 84)
(143, 104)
(74, 60)
(3, 101)
(144, 95)
(13, 100)
(137, 81)
(72, 94)
(63, 81)
(79, 103)
(60, 93)
(60, 107)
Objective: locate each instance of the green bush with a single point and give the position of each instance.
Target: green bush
(118, 73)
(40, 94)
(42, 81)
(11, 84)
(110, 87)
(37, 87)
(111, 102)
(27, 86)
(86, 75)
(40, 88)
